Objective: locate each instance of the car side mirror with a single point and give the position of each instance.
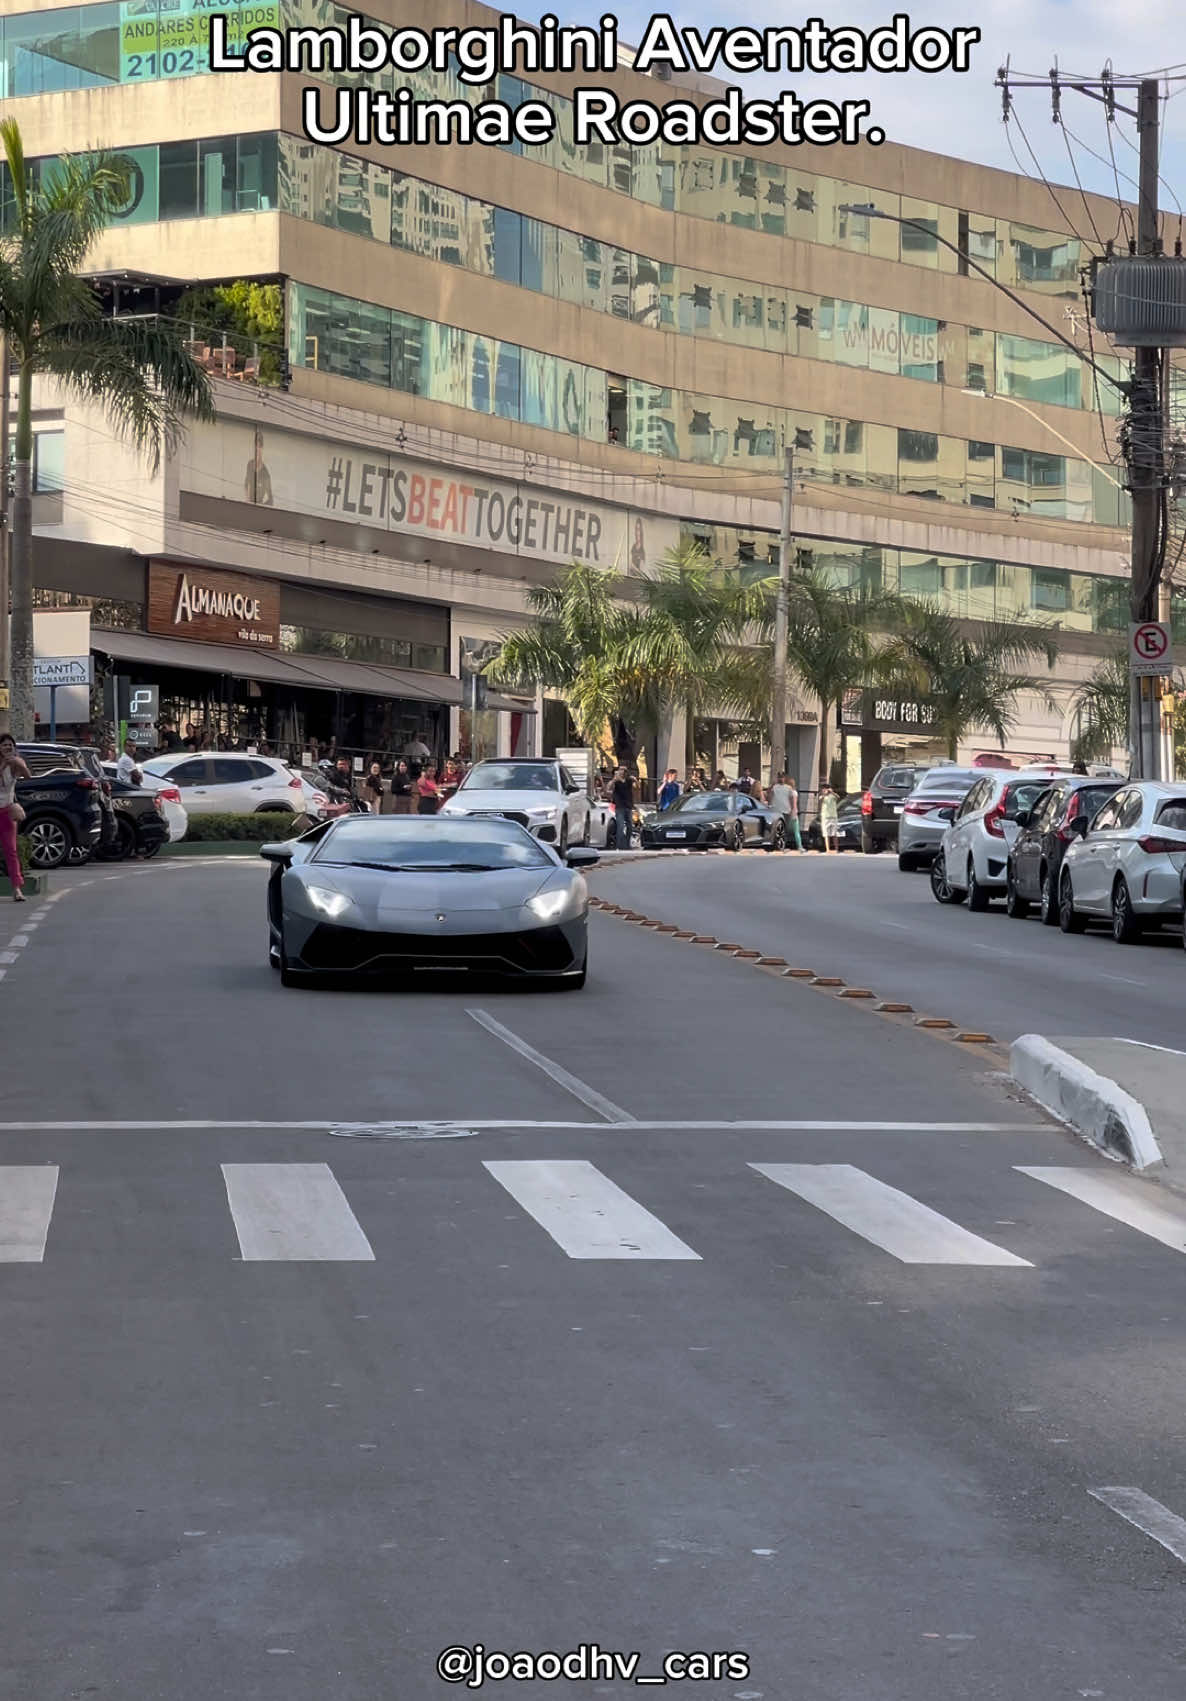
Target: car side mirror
(1023, 817)
(945, 814)
(581, 857)
(276, 852)
(1080, 825)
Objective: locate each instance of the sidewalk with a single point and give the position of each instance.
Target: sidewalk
(1126, 1097)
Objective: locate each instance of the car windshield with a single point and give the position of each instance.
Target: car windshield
(701, 803)
(951, 783)
(1023, 795)
(510, 776)
(438, 843)
(895, 779)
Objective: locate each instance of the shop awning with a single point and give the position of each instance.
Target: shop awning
(300, 671)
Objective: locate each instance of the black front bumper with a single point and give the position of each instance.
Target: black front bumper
(534, 951)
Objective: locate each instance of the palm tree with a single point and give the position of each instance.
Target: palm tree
(831, 645)
(969, 678)
(51, 319)
(692, 646)
(1101, 703)
(577, 644)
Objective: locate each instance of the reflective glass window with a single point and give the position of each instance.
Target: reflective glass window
(179, 180)
(143, 203)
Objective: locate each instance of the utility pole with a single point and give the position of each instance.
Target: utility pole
(1147, 459)
(778, 712)
(5, 674)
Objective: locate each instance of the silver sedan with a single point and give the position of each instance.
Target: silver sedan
(1128, 864)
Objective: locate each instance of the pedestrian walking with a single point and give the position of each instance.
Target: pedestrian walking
(622, 798)
(829, 823)
(428, 793)
(785, 800)
(669, 791)
(373, 786)
(12, 769)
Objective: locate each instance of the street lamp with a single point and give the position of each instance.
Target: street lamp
(991, 396)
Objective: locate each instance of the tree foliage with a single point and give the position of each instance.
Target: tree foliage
(1101, 704)
(251, 315)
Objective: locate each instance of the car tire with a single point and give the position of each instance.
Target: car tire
(907, 863)
(869, 845)
(977, 896)
(125, 839)
(1015, 905)
(152, 849)
(587, 836)
(562, 842)
(1126, 927)
(941, 889)
(51, 842)
(737, 837)
(1069, 919)
(778, 837)
(1048, 905)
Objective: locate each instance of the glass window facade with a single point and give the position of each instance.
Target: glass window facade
(467, 369)
(71, 47)
(970, 589)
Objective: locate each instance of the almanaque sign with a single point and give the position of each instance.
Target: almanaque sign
(212, 607)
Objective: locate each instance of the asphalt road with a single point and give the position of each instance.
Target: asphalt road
(314, 1366)
(860, 918)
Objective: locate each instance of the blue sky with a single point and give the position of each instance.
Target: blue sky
(961, 115)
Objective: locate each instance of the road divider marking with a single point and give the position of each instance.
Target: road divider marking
(899, 1224)
(1118, 1196)
(333, 1125)
(27, 1194)
(586, 1213)
(293, 1213)
(1147, 1515)
(555, 1071)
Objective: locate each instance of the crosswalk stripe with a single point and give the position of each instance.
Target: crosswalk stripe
(1118, 1196)
(26, 1205)
(586, 1213)
(293, 1213)
(899, 1224)
(1147, 1515)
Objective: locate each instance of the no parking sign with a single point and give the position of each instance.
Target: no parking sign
(1150, 649)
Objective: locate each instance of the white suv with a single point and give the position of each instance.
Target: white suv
(540, 795)
(227, 782)
(974, 852)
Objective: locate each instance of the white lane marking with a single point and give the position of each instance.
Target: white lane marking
(902, 1226)
(293, 1213)
(555, 1071)
(1147, 1515)
(1118, 1196)
(27, 1194)
(9, 956)
(330, 1125)
(586, 1213)
(19, 939)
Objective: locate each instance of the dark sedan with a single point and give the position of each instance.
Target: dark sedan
(384, 894)
(703, 820)
(1059, 815)
(848, 826)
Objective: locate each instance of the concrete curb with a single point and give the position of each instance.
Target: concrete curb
(1093, 1105)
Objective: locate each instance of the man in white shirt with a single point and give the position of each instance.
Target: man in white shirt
(417, 750)
(126, 768)
(785, 799)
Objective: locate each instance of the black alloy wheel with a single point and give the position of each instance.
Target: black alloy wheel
(977, 895)
(562, 846)
(737, 837)
(1015, 905)
(941, 888)
(1048, 903)
(1069, 918)
(1126, 926)
(778, 837)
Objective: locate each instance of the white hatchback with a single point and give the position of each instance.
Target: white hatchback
(1128, 866)
(974, 852)
(228, 782)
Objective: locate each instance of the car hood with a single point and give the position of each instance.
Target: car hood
(473, 798)
(383, 897)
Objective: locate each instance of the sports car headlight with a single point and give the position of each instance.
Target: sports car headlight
(560, 903)
(331, 904)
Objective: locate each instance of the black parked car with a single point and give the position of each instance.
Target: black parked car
(702, 819)
(64, 803)
(1057, 817)
(140, 825)
(882, 803)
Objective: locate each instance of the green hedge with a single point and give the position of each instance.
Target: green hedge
(254, 829)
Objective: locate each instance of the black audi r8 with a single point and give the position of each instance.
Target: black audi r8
(386, 894)
(701, 820)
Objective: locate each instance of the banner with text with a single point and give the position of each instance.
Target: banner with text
(368, 487)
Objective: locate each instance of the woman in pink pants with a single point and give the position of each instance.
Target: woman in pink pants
(12, 769)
